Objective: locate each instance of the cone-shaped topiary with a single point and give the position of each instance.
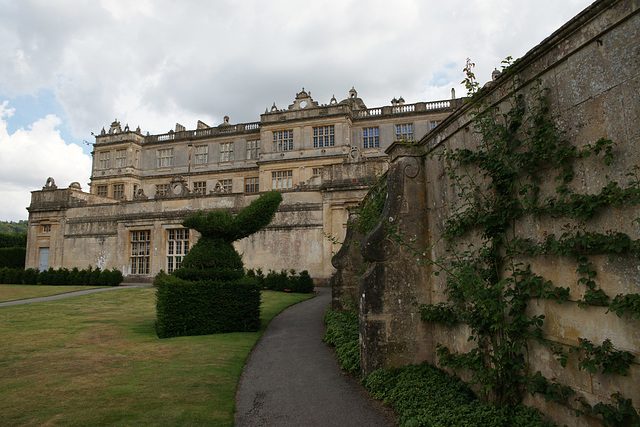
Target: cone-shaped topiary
(214, 257)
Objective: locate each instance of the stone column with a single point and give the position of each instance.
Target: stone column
(391, 332)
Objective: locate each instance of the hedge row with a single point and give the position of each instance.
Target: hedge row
(283, 281)
(343, 334)
(13, 257)
(10, 240)
(424, 395)
(186, 307)
(61, 277)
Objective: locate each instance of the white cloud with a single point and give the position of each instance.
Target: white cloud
(29, 156)
(157, 62)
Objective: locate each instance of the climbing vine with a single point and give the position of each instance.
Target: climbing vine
(501, 181)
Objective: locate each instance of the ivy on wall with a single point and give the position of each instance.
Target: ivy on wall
(490, 284)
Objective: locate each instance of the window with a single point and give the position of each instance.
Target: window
(200, 187)
(251, 185)
(137, 159)
(283, 140)
(104, 158)
(371, 137)
(201, 155)
(434, 123)
(162, 189)
(253, 150)
(46, 228)
(118, 191)
(316, 171)
(281, 180)
(324, 136)
(103, 190)
(177, 247)
(404, 132)
(226, 185)
(165, 158)
(226, 152)
(140, 248)
(121, 158)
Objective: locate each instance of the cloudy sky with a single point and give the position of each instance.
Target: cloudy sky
(70, 67)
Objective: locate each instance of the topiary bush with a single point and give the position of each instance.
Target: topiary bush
(201, 307)
(210, 293)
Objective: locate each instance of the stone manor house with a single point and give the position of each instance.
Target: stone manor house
(322, 157)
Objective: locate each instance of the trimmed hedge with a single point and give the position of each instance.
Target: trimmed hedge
(13, 257)
(10, 240)
(284, 281)
(61, 277)
(204, 307)
(427, 396)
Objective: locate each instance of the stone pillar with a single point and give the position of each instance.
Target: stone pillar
(391, 332)
(349, 265)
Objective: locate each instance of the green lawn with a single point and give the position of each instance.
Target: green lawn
(17, 292)
(96, 360)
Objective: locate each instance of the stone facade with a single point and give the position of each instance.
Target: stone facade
(322, 157)
(590, 66)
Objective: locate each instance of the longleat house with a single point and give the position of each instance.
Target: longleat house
(323, 157)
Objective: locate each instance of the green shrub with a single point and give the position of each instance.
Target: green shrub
(303, 283)
(105, 277)
(13, 276)
(45, 277)
(30, 276)
(276, 281)
(205, 307)
(94, 276)
(343, 334)
(426, 396)
(13, 257)
(115, 278)
(10, 240)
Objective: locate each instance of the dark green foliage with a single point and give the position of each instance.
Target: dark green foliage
(60, 277)
(209, 293)
(30, 276)
(619, 413)
(12, 276)
(10, 227)
(205, 307)
(426, 396)
(490, 285)
(342, 333)
(214, 255)
(629, 303)
(10, 240)
(285, 281)
(13, 257)
(370, 209)
(115, 278)
(94, 278)
(304, 283)
(276, 281)
(222, 225)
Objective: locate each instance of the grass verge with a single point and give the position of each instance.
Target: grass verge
(96, 360)
(18, 292)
